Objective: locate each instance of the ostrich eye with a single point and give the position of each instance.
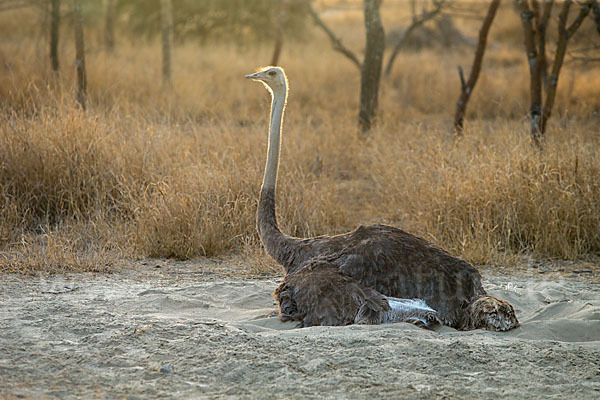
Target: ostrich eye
(272, 73)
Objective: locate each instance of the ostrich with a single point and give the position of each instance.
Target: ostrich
(369, 275)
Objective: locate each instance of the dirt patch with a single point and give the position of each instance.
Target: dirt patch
(180, 332)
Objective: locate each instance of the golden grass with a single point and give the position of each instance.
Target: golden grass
(146, 173)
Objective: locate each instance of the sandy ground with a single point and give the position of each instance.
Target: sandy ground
(181, 332)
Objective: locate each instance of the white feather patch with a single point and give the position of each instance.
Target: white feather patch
(409, 310)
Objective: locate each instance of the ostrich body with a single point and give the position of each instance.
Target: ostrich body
(367, 275)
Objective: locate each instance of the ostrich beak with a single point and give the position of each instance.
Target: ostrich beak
(255, 75)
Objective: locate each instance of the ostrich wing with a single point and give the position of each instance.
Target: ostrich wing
(318, 294)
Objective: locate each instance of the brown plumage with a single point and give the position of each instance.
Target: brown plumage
(352, 277)
(342, 300)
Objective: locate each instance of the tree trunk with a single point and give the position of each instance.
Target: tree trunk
(79, 54)
(371, 67)
(166, 13)
(541, 23)
(535, 83)
(54, 31)
(467, 88)
(109, 25)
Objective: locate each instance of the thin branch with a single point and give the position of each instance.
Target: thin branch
(467, 88)
(585, 59)
(335, 41)
(417, 21)
(584, 49)
(583, 12)
(584, 55)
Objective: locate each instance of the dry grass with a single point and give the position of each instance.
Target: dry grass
(146, 173)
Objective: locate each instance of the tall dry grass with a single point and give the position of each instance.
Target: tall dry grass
(146, 173)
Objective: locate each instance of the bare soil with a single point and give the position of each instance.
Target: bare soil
(179, 331)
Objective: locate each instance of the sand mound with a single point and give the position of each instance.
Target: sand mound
(148, 334)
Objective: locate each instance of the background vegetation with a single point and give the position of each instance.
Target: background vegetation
(150, 172)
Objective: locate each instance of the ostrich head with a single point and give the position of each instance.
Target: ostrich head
(273, 78)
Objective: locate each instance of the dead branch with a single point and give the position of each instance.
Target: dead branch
(583, 55)
(586, 6)
(335, 41)
(417, 21)
(586, 59)
(467, 88)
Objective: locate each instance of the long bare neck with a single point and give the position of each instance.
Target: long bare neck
(276, 243)
(277, 109)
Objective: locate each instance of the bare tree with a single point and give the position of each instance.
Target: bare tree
(109, 25)
(166, 13)
(370, 74)
(54, 32)
(534, 35)
(564, 34)
(79, 54)
(467, 87)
